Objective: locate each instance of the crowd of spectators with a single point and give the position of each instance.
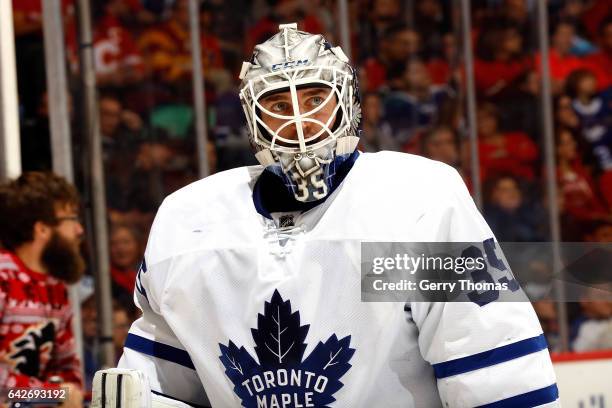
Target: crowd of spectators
(412, 78)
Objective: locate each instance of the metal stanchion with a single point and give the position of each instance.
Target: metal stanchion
(10, 148)
(59, 120)
(198, 89)
(551, 174)
(345, 36)
(92, 129)
(470, 91)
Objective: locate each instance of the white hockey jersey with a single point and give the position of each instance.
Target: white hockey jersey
(231, 313)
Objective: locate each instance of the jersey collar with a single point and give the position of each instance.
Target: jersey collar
(271, 195)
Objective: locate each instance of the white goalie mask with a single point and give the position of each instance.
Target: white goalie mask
(300, 98)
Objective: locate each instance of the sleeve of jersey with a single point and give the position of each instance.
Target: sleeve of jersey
(489, 354)
(151, 346)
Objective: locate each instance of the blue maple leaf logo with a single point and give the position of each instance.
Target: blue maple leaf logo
(281, 378)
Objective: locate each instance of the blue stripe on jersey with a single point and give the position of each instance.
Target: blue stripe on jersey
(490, 357)
(527, 400)
(191, 404)
(159, 350)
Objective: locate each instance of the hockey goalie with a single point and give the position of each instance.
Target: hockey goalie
(251, 288)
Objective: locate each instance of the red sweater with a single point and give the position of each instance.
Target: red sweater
(516, 156)
(605, 186)
(561, 66)
(579, 194)
(36, 339)
(124, 278)
(490, 75)
(114, 47)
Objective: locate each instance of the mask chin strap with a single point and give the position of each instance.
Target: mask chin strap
(346, 145)
(265, 158)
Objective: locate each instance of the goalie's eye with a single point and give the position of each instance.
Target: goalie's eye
(280, 107)
(316, 101)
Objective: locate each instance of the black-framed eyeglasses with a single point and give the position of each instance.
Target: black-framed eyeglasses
(75, 218)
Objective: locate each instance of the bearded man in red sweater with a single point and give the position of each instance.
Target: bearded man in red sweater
(40, 232)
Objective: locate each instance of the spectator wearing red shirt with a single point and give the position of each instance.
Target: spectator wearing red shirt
(500, 63)
(117, 60)
(561, 61)
(41, 233)
(580, 197)
(600, 62)
(512, 153)
(399, 44)
(445, 67)
(125, 254)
